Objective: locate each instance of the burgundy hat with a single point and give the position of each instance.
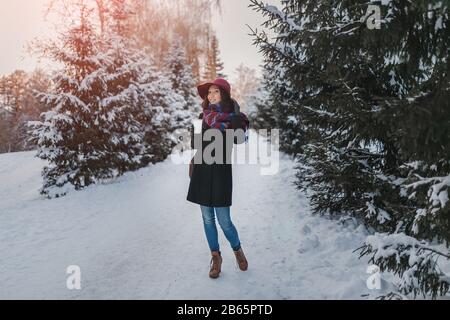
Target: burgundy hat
(204, 87)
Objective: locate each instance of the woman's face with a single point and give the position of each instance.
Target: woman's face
(214, 94)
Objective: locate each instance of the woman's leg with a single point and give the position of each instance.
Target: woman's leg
(209, 223)
(223, 215)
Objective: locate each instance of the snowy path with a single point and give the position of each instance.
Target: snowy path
(138, 238)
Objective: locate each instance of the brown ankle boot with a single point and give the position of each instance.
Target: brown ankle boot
(241, 260)
(216, 264)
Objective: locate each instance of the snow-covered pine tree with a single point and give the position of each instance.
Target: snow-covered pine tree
(183, 82)
(18, 105)
(93, 130)
(246, 83)
(168, 95)
(370, 107)
(163, 109)
(120, 17)
(260, 110)
(213, 64)
(13, 91)
(179, 72)
(155, 103)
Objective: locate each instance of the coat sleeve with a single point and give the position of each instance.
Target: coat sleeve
(237, 123)
(236, 120)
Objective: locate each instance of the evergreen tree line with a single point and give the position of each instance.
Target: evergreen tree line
(117, 104)
(156, 26)
(157, 23)
(365, 112)
(18, 104)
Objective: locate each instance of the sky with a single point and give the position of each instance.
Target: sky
(234, 42)
(23, 20)
(20, 22)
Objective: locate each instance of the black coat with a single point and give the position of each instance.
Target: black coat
(212, 184)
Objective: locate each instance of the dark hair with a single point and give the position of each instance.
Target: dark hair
(226, 101)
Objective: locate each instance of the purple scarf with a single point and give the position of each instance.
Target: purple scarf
(215, 117)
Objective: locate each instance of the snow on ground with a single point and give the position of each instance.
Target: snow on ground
(138, 238)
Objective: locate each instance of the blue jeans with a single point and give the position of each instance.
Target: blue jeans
(228, 228)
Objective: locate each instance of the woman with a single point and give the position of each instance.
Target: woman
(211, 184)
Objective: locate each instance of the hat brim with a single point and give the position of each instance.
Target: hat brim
(203, 89)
